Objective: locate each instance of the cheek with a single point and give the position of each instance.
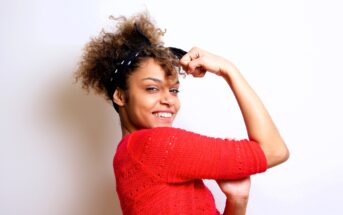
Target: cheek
(142, 103)
(177, 105)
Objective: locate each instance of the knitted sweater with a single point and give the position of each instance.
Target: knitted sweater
(160, 170)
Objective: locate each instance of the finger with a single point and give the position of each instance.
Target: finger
(196, 65)
(193, 54)
(199, 73)
(185, 60)
(196, 69)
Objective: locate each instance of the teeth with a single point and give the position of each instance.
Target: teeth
(163, 115)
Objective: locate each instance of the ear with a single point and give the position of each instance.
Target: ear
(119, 97)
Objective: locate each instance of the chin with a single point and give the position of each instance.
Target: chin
(159, 124)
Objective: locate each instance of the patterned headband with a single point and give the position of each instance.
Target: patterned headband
(125, 64)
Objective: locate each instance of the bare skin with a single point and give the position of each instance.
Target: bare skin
(237, 195)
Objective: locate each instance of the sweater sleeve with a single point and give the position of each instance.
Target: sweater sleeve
(176, 155)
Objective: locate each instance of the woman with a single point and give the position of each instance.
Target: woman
(158, 168)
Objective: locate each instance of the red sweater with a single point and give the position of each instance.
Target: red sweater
(160, 170)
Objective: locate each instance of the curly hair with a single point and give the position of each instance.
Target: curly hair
(104, 54)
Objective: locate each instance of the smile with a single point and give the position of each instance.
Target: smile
(163, 114)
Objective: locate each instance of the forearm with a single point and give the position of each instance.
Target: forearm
(236, 206)
(259, 124)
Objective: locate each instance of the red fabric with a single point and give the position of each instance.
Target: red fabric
(160, 170)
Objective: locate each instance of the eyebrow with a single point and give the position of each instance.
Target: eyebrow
(157, 80)
(152, 79)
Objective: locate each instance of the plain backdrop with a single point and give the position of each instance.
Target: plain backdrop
(57, 142)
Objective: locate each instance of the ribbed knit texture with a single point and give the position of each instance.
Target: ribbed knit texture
(160, 170)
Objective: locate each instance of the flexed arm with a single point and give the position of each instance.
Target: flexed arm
(259, 125)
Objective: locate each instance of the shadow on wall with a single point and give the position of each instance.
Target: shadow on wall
(90, 132)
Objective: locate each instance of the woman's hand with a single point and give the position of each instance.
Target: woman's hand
(237, 189)
(237, 195)
(197, 61)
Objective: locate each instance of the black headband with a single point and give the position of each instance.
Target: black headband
(124, 64)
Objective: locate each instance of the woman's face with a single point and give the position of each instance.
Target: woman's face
(152, 99)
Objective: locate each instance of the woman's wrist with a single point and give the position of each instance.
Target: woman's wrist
(236, 205)
(228, 71)
(237, 198)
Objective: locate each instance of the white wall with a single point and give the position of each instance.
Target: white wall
(57, 143)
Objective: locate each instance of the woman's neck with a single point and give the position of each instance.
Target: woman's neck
(124, 130)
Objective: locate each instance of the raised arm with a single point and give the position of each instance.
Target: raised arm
(259, 125)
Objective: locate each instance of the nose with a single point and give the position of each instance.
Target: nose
(167, 99)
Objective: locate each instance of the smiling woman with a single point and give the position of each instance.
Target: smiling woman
(151, 100)
(158, 168)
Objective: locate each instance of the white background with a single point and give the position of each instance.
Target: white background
(57, 143)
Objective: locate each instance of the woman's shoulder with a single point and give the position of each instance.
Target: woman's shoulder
(164, 132)
(159, 131)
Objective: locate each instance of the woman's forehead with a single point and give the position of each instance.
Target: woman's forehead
(150, 69)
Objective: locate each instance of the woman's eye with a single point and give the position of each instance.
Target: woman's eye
(151, 89)
(174, 91)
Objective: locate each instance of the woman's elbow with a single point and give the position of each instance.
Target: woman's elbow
(283, 155)
(277, 157)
